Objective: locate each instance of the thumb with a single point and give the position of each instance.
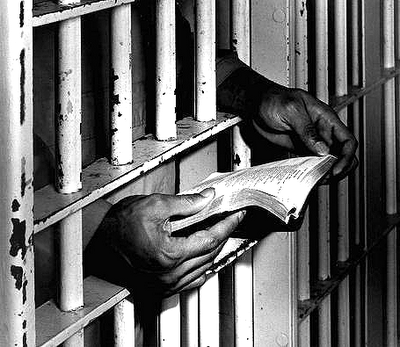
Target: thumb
(188, 204)
(307, 133)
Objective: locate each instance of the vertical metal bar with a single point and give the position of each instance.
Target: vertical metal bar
(121, 79)
(357, 208)
(209, 312)
(343, 213)
(205, 60)
(303, 239)
(170, 319)
(390, 170)
(321, 49)
(190, 318)
(69, 166)
(242, 269)
(124, 324)
(121, 136)
(17, 306)
(71, 275)
(165, 70)
(69, 107)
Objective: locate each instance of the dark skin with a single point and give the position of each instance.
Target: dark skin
(133, 245)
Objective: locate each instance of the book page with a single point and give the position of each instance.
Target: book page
(289, 180)
(280, 187)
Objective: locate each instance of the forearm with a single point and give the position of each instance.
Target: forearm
(242, 92)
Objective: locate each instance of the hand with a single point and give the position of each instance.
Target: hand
(135, 248)
(289, 115)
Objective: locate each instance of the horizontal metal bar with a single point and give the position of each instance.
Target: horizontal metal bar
(46, 12)
(101, 178)
(321, 289)
(355, 93)
(54, 326)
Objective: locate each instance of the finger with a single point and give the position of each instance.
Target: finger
(308, 134)
(185, 267)
(196, 283)
(206, 241)
(347, 152)
(199, 274)
(188, 204)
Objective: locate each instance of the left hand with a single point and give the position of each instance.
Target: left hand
(289, 115)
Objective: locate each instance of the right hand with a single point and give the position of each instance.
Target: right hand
(133, 243)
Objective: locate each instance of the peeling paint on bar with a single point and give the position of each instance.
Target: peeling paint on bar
(17, 239)
(121, 85)
(17, 273)
(22, 86)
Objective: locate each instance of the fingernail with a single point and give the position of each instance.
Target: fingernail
(321, 148)
(208, 193)
(242, 214)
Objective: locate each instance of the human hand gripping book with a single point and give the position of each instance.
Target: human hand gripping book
(280, 187)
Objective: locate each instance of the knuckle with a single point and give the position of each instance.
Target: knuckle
(212, 242)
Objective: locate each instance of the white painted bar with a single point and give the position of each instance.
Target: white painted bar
(170, 322)
(241, 153)
(68, 141)
(205, 61)
(321, 49)
(303, 235)
(243, 300)
(388, 37)
(341, 82)
(209, 312)
(17, 304)
(71, 270)
(165, 70)
(69, 109)
(121, 79)
(71, 275)
(124, 324)
(190, 318)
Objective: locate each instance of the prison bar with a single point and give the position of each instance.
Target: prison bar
(165, 70)
(358, 203)
(388, 13)
(341, 83)
(17, 319)
(241, 154)
(121, 79)
(68, 135)
(205, 49)
(170, 318)
(209, 313)
(321, 73)
(303, 234)
(71, 212)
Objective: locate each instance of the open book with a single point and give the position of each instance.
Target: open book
(281, 187)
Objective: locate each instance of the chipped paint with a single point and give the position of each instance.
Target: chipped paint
(17, 239)
(24, 285)
(15, 205)
(23, 176)
(22, 86)
(17, 272)
(21, 14)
